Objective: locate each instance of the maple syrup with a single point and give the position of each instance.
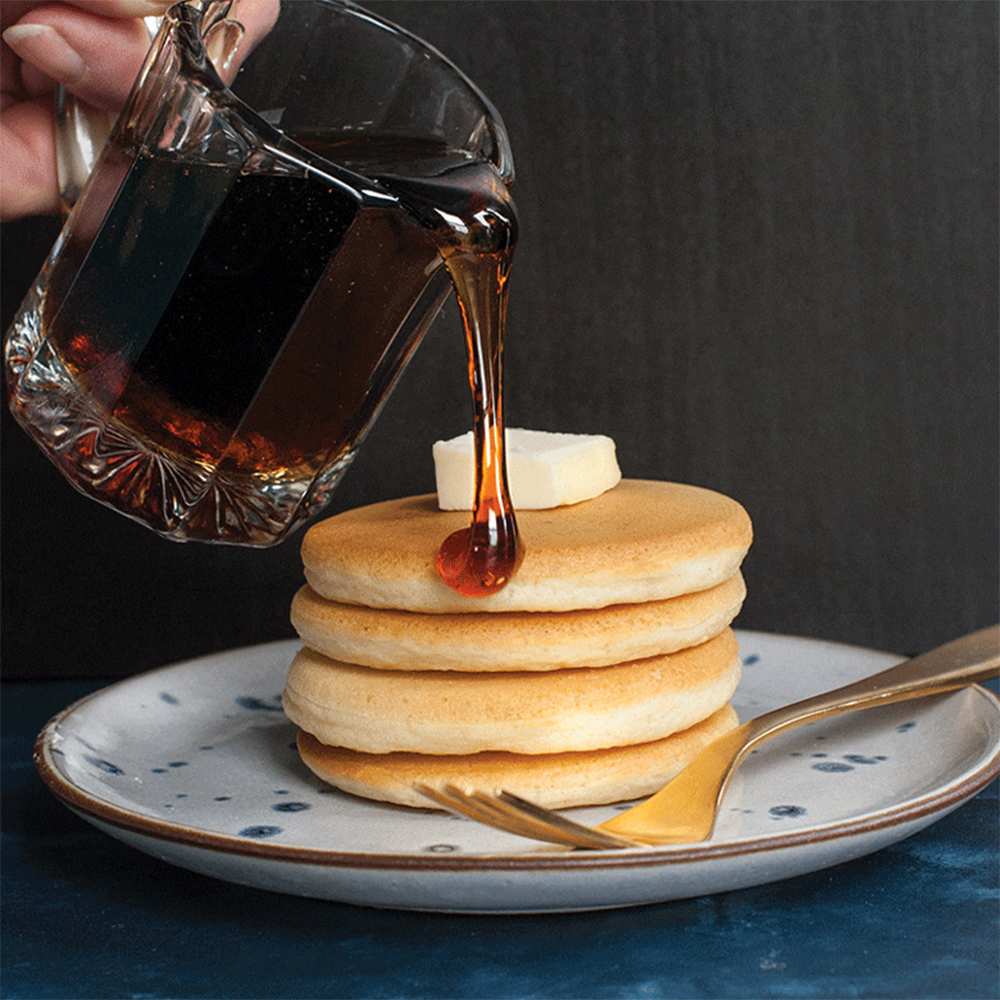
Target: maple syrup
(474, 223)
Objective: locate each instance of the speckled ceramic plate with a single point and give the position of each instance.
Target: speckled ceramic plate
(195, 764)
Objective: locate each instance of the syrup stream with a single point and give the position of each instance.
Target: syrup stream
(481, 559)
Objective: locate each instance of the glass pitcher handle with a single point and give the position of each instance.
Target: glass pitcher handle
(81, 131)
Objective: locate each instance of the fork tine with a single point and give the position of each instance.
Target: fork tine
(582, 836)
(514, 821)
(447, 799)
(457, 801)
(513, 814)
(542, 823)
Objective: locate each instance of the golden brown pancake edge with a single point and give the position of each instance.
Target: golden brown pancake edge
(390, 639)
(643, 540)
(555, 781)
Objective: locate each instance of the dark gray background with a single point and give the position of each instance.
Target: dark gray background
(759, 249)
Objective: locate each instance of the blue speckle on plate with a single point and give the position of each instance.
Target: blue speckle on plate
(177, 763)
(259, 832)
(783, 812)
(222, 798)
(168, 698)
(905, 727)
(104, 765)
(256, 704)
(832, 767)
(291, 807)
(859, 758)
(751, 659)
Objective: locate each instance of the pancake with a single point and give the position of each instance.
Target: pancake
(513, 640)
(555, 781)
(641, 541)
(448, 712)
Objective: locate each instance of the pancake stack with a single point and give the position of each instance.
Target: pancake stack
(594, 676)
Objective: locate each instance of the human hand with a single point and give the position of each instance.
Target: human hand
(94, 49)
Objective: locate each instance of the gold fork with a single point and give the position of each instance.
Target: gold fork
(684, 811)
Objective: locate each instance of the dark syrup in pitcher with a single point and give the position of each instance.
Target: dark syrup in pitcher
(223, 398)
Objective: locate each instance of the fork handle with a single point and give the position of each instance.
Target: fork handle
(684, 811)
(974, 657)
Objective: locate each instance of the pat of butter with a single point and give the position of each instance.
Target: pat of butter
(543, 469)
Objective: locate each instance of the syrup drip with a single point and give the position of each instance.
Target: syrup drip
(481, 559)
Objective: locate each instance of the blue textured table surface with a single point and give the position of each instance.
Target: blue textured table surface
(85, 916)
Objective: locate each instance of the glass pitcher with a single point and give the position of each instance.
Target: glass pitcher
(248, 268)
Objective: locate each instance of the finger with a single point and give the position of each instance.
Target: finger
(95, 58)
(27, 144)
(257, 18)
(124, 8)
(11, 11)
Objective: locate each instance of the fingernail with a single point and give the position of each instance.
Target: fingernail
(46, 49)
